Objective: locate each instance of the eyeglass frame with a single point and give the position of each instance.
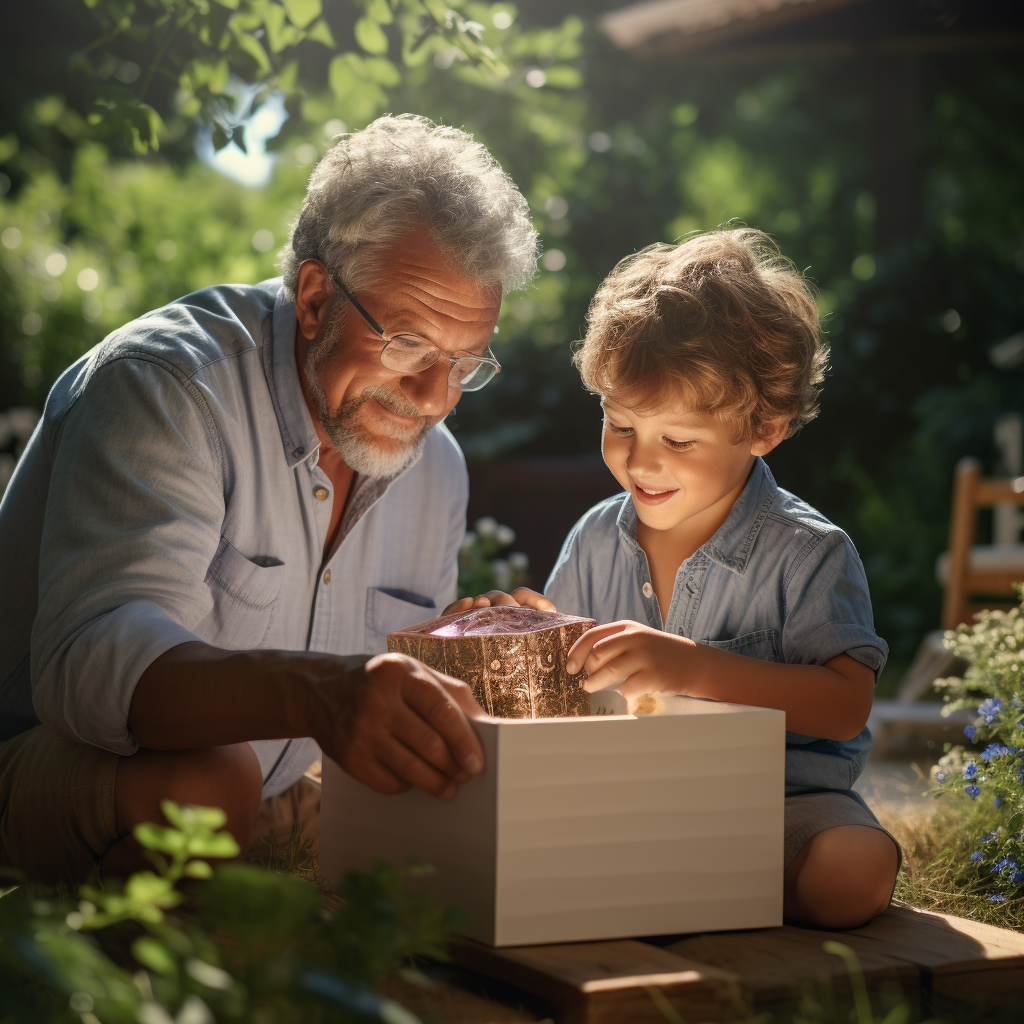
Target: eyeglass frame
(487, 359)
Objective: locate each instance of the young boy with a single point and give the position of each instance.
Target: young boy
(714, 582)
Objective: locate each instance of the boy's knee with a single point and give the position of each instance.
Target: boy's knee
(846, 877)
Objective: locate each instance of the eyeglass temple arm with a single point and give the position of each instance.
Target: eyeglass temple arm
(362, 312)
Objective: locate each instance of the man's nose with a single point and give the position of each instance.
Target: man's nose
(428, 389)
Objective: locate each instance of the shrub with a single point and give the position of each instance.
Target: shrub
(994, 774)
(246, 944)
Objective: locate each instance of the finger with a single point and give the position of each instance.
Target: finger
(528, 598)
(409, 767)
(437, 706)
(609, 648)
(463, 696)
(375, 775)
(499, 599)
(614, 673)
(462, 605)
(580, 651)
(425, 742)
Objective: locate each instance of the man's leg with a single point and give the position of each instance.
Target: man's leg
(228, 777)
(842, 877)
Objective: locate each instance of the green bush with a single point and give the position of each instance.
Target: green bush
(239, 944)
(994, 775)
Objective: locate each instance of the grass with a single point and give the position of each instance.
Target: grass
(938, 839)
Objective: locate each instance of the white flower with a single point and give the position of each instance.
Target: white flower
(505, 535)
(486, 526)
(519, 561)
(469, 540)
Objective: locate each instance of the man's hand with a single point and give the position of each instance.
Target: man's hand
(637, 658)
(521, 597)
(400, 725)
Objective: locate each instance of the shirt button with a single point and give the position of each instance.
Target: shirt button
(327, 576)
(320, 493)
(648, 590)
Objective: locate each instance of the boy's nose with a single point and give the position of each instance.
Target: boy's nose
(643, 461)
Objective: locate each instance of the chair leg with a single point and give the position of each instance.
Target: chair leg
(963, 525)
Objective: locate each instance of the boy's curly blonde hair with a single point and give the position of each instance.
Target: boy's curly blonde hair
(722, 318)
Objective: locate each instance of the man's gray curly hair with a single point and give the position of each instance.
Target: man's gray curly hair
(401, 173)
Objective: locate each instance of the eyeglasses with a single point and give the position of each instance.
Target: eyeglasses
(407, 354)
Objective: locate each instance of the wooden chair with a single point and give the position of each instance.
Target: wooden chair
(974, 575)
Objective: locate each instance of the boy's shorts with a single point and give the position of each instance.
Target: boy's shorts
(812, 812)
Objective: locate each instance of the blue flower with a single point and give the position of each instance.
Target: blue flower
(994, 750)
(977, 858)
(940, 776)
(970, 771)
(1000, 801)
(969, 732)
(988, 837)
(989, 709)
(997, 898)
(972, 791)
(1018, 877)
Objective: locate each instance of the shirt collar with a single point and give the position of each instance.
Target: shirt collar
(732, 542)
(297, 431)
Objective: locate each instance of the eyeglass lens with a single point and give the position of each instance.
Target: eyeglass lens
(409, 355)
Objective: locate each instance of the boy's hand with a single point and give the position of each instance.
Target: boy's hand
(645, 659)
(521, 597)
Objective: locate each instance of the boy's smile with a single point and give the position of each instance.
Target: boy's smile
(684, 469)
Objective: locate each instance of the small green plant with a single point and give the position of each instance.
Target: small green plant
(239, 944)
(485, 562)
(993, 646)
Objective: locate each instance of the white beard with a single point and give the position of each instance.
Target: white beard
(363, 451)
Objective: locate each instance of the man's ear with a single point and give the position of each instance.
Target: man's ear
(314, 296)
(777, 431)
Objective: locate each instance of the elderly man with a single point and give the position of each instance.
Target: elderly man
(233, 493)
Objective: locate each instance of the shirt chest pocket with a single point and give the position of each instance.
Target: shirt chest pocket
(760, 644)
(388, 610)
(245, 593)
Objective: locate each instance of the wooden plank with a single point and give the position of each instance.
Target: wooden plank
(608, 982)
(775, 965)
(939, 959)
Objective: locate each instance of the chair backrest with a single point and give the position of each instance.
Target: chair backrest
(972, 492)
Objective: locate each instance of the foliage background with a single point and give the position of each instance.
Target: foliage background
(612, 155)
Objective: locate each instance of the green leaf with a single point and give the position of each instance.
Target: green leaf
(154, 955)
(145, 887)
(1015, 823)
(381, 71)
(302, 12)
(254, 48)
(340, 76)
(321, 33)
(380, 11)
(220, 844)
(159, 837)
(563, 76)
(231, 5)
(8, 146)
(370, 36)
(197, 869)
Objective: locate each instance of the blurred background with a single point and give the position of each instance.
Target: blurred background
(152, 147)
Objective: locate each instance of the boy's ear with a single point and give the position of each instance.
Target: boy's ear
(777, 431)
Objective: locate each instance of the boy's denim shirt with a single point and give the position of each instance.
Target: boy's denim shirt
(777, 581)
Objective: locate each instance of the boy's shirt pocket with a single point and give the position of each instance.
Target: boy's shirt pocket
(761, 644)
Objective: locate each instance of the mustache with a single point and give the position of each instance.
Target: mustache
(393, 401)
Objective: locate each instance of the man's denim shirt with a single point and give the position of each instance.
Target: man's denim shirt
(777, 582)
(171, 493)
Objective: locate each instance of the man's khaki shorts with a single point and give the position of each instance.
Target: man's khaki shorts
(57, 808)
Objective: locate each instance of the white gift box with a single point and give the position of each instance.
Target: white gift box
(584, 828)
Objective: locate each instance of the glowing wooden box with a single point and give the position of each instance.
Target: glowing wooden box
(591, 828)
(513, 658)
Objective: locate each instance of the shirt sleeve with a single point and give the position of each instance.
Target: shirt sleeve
(132, 523)
(828, 608)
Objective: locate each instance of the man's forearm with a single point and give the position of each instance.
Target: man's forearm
(195, 695)
(831, 700)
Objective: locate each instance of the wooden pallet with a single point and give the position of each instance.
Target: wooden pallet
(725, 976)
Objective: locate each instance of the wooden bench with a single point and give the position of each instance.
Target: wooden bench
(936, 960)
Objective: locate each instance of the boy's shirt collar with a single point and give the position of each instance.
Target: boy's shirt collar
(732, 542)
